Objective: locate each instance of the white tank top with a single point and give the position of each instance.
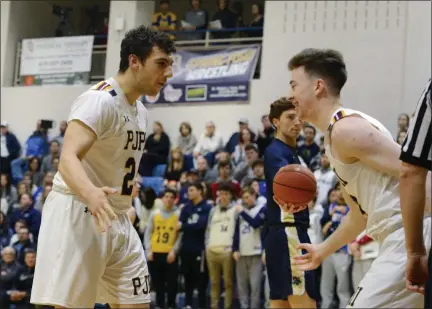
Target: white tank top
(377, 193)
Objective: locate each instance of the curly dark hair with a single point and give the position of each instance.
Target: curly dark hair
(140, 41)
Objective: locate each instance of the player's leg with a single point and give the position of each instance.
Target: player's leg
(384, 284)
(125, 282)
(289, 287)
(71, 252)
(278, 267)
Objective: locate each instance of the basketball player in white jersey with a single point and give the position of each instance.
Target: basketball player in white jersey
(88, 250)
(366, 160)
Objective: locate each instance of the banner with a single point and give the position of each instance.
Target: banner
(64, 60)
(209, 76)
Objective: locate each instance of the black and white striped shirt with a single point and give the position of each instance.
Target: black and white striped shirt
(417, 146)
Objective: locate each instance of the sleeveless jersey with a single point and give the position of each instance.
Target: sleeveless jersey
(164, 232)
(375, 192)
(114, 158)
(222, 228)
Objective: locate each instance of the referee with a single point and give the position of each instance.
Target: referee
(416, 162)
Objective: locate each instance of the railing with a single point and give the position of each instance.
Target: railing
(97, 72)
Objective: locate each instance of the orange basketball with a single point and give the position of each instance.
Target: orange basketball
(294, 184)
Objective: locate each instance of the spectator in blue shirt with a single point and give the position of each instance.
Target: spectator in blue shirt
(193, 223)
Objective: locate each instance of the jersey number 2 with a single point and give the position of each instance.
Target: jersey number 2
(129, 177)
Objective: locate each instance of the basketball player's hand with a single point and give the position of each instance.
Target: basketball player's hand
(289, 208)
(416, 273)
(150, 256)
(100, 208)
(238, 208)
(236, 256)
(311, 260)
(355, 249)
(171, 257)
(263, 258)
(179, 226)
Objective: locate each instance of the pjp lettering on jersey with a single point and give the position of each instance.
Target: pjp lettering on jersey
(135, 140)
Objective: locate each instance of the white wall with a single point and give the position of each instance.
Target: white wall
(387, 52)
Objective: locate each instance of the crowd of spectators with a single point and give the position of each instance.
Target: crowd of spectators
(228, 16)
(182, 175)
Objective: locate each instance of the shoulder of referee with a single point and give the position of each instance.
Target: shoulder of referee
(417, 147)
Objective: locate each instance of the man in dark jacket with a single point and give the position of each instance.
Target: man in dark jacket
(10, 148)
(193, 224)
(24, 281)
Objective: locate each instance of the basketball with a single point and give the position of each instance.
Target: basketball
(294, 184)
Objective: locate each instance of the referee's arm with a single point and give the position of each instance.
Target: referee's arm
(416, 161)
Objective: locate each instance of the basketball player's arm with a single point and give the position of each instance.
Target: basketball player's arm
(354, 138)
(78, 140)
(351, 226)
(90, 116)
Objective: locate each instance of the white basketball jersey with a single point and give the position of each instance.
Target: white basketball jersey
(114, 158)
(377, 193)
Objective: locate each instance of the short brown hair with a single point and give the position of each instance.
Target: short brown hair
(248, 189)
(327, 64)
(279, 106)
(187, 125)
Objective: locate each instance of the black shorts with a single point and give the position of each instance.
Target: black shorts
(284, 279)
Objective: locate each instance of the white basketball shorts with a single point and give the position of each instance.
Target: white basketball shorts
(383, 286)
(77, 266)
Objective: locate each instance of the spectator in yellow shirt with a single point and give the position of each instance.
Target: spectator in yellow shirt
(164, 20)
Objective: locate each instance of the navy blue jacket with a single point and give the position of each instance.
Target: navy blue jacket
(31, 216)
(194, 223)
(13, 146)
